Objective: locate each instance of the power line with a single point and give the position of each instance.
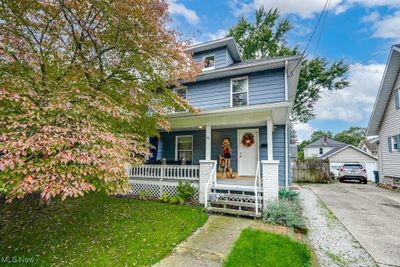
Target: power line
(312, 35)
(322, 28)
(369, 58)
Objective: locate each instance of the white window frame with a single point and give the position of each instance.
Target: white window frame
(247, 86)
(186, 91)
(397, 98)
(395, 140)
(209, 68)
(176, 146)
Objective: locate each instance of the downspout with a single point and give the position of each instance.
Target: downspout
(287, 157)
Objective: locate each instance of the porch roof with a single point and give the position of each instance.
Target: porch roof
(243, 116)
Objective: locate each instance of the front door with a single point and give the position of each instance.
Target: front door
(247, 151)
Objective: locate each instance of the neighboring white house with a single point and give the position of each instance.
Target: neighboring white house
(349, 153)
(369, 146)
(320, 147)
(385, 120)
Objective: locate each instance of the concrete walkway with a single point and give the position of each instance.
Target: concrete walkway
(210, 245)
(370, 213)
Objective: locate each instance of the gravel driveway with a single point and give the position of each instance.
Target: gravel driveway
(333, 244)
(370, 213)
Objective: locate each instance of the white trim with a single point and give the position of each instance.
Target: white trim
(209, 68)
(208, 142)
(343, 148)
(286, 157)
(270, 145)
(247, 85)
(239, 109)
(176, 145)
(255, 130)
(286, 82)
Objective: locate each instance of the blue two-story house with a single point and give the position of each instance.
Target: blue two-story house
(244, 105)
(235, 97)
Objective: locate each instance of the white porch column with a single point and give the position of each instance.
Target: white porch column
(208, 142)
(205, 171)
(270, 146)
(270, 178)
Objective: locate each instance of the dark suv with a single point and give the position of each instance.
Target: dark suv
(353, 172)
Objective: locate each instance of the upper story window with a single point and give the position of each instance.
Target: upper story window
(394, 143)
(239, 92)
(184, 148)
(321, 151)
(209, 62)
(182, 92)
(397, 98)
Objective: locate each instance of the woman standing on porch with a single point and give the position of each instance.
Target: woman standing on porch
(227, 157)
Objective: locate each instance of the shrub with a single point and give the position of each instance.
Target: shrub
(186, 191)
(286, 193)
(284, 212)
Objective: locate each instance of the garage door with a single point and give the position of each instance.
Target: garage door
(371, 167)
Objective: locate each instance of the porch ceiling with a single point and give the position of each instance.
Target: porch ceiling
(233, 117)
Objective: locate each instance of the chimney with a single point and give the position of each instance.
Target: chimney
(325, 140)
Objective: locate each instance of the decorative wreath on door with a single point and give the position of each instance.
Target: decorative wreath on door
(248, 139)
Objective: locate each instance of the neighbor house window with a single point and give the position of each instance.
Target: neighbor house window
(394, 143)
(240, 92)
(397, 98)
(321, 151)
(209, 62)
(182, 92)
(184, 148)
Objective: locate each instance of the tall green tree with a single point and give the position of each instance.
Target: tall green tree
(266, 36)
(82, 86)
(316, 135)
(351, 136)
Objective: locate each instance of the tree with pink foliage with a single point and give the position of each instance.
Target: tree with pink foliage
(83, 84)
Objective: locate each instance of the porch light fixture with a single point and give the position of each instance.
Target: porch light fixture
(201, 127)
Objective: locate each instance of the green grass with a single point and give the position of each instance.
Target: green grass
(258, 248)
(96, 230)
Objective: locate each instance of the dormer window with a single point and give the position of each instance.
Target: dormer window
(209, 62)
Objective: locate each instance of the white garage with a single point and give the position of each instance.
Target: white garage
(349, 153)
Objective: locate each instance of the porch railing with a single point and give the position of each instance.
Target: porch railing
(212, 180)
(257, 185)
(166, 172)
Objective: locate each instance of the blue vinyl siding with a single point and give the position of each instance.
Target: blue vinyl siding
(229, 59)
(264, 87)
(219, 56)
(166, 146)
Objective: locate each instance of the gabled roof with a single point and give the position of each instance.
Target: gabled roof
(339, 149)
(229, 42)
(372, 146)
(330, 143)
(385, 90)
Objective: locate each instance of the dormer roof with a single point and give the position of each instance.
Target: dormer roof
(229, 42)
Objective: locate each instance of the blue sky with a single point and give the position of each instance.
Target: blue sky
(358, 31)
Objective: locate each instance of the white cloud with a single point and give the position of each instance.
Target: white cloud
(306, 8)
(353, 104)
(303, 131)
(388, 27)
(371, 17)
(176, 8)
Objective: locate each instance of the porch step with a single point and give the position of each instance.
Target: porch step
(237, 196)
(233, 212)
(234, 203)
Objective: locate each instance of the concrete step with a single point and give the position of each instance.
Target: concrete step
(234, 203)
(235, 187)
(214, 195)
(233, 212)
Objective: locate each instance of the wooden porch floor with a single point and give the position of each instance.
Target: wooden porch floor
(247, 181)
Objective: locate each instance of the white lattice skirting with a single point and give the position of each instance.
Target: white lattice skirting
(156, 188)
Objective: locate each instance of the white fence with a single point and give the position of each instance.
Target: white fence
(153, 180)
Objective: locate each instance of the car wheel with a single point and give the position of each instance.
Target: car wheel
(365, 182)
(340, 180)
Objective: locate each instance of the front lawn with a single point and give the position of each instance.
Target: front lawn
(96, 230)
(258, 248)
